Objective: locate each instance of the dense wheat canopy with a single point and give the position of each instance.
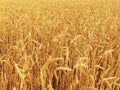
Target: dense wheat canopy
(60, 45)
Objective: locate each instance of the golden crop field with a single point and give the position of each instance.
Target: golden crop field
(59, 44)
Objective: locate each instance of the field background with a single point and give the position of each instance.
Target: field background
(59, 44)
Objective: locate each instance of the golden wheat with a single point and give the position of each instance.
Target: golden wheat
(60, 45)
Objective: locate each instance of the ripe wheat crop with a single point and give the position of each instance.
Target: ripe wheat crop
(60, 45)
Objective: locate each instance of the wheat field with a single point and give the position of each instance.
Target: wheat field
(59, 44)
